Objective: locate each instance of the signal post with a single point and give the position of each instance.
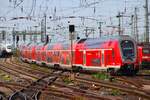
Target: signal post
(71, 31)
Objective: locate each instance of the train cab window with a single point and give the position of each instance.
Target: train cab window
(127, 47)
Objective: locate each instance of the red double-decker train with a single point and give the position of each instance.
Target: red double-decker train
(144, 55)
(115, 53)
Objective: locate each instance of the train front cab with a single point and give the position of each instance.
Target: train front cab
(129, 56)
(144, 55)
(146, 58)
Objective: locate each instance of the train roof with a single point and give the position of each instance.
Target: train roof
(91, 42)
(96, 42)
(103, 39)
(144, 44)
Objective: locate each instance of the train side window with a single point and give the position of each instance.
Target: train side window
(96, 61)
(56, 53)
(146, 51)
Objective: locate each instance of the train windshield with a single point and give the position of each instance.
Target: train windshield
(127, 47)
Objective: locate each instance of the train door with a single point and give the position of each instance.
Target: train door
(30, 52)
(33, 53)
(62, 57)
(38, 57)
(49, 55)
(140, 55)
(102, 58)
(84, 58)
(78, 57)
(93, 58)
(108, 57)
(43, 54)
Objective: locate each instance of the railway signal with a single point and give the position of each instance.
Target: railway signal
(71, 30)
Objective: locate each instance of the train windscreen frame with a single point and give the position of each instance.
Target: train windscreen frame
(128, 49)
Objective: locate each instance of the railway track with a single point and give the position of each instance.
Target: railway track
(28, 66)
(50, 91)
(29, 93)
(129, 81)
(18, 70)
(16, 74)
(70, 95)
(136, 90)
(44, 92)
(11, 69)
(127, 89)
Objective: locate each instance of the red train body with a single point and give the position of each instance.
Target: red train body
(144, 54)
(108, 53)
(24, 51)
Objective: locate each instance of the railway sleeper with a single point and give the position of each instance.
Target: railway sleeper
(18, 96)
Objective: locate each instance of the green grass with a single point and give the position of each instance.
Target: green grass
(67, 80)
(5, 77)
(45, 69)
(115, 92)
(101, 76)
(79, 98)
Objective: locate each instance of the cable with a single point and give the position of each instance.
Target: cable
(14, 7)
(32, 7)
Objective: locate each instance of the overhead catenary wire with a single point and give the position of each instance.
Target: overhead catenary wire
(17, 5)
(78, 9)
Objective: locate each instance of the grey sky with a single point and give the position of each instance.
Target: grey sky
(102, 10)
